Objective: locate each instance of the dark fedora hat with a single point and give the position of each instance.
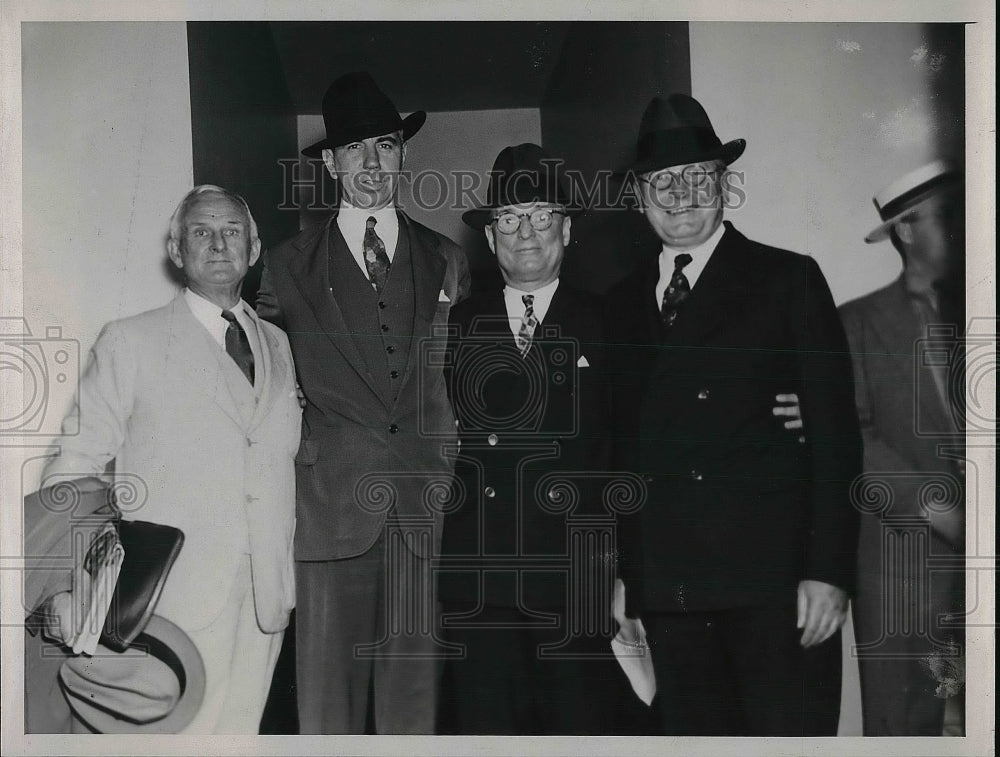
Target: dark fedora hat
(675, 130)
(521, 174)
(355, 108)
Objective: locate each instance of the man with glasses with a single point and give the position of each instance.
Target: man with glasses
(526, 379)
(740, 562)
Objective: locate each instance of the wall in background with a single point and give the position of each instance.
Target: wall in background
(831, 113)
(107, 157)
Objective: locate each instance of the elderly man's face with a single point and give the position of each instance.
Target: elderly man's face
(214, 250)
(368, 169)
(529, 257)
(683, 204)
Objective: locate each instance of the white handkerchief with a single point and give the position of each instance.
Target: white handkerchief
(637, 663)
(442, 297)
(582, 362)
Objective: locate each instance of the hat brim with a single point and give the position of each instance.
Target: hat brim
(727, 153)
(409, 126)
(881, 231)
(479, 218)
(170, 644)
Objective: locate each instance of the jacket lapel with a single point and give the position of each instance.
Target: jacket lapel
(273, 370)
(428, 267)
(311, 272)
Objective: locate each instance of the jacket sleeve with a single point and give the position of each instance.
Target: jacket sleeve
(831, 424)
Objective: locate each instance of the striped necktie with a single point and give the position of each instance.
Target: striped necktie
(528, 325)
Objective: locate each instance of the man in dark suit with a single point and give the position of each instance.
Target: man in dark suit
(910, 550)
(527, 555)
(740, 562)
(357, 295)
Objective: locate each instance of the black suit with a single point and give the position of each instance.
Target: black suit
(534, 446)
(738, 512)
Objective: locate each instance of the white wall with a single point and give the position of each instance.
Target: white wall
(831, 113)
(106, 159)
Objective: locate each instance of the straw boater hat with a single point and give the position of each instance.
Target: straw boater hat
(675, 131)
(354, 108)
(522, 174)
(907, 192)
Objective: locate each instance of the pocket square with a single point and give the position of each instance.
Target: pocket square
(442, 297)
(582, 362)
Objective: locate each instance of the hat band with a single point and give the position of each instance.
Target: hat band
(686, 144)
(915, 196)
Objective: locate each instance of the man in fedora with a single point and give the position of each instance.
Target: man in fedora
(913, 436)
(357, 295)
(195, 404)
(741, 560)
(526, 372)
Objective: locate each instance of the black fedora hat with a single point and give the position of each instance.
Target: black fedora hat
(521, 174)
(355, 108)
(674, 131)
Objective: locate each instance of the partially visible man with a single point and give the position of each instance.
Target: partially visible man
(741, 561)
(526, 600)
(196, 400)
(907, 615)
(357, 295)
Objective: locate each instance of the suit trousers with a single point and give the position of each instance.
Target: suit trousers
(506, 684)
(742, 672)
(364, 633)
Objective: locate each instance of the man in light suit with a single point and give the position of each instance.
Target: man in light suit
(741, 560)
(358, 296)
(527, 380)
(911, 420)
(196, 401)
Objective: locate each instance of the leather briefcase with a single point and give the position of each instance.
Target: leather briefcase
(150, 552)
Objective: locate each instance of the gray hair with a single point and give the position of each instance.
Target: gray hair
(177, 219)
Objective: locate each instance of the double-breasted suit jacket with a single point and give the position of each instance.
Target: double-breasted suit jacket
(534, 452)
(910, 442)
(738, 512)
(358, 428)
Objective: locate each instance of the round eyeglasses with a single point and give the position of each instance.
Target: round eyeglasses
(540, 219)
(693, 177)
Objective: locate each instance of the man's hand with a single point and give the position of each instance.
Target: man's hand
(788, 406)
(59, 618)
(628, 628)
(822, 610)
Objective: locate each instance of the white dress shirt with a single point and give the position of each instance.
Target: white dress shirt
(209, 315)
(515, 305)
(352, 223)
(699, 259)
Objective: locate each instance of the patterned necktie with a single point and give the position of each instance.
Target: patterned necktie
(238, 345)
(528, 325)
(676, 292)
(376, 259)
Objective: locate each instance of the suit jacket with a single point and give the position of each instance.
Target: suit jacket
(534, 451)
(738, 512)
(353, 440)
(896, 398)
(163, 400)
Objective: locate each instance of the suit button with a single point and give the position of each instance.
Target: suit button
(490, 492)
(393, 374)
(696, 475)
(390, 349)
(648, 479)
(492, 440)
(381, 305)
(384, 327)
(703, 394)
(249, 442)
(393, 428)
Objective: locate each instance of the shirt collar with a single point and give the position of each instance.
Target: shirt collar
(206, 310)
(699, 257)
(540, 304)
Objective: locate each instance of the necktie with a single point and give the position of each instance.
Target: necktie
(528, 324)
(376, 260)
(676, 292)
(238, 345)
